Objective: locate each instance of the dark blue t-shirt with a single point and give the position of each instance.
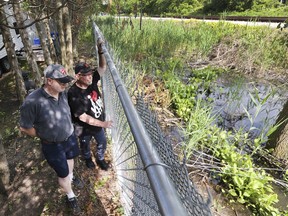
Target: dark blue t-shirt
(51, 118)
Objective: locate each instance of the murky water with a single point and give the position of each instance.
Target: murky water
(248, 104)
(251, 105)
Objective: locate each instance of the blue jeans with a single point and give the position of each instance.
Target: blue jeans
(100, 138)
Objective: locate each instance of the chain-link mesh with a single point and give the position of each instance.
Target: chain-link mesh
(137, 196)
(136, 192)
(191, 199)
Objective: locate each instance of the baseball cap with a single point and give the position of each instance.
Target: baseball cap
(82, 68)
(58, 72)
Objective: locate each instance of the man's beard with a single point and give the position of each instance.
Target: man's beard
(87, 83)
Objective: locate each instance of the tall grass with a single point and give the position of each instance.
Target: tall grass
(161, 39)
(250, 48)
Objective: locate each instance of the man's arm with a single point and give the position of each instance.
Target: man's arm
(102, 60)
(30, 131)
(94, 122)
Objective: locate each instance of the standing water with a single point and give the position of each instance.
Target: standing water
(250, 105)
(247, 104)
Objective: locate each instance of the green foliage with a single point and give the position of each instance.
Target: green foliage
(194, 7)
(85, 34)
(206, 76)
(258, 39)
(260, 5)
(183, 95)
(101, 183)
(120, 210)
(161, 45)
(248, 186)
(9, 132)
(244, 183)
(228, 5)
(185, 9)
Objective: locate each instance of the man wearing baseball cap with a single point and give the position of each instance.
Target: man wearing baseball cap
(87, 110)
(45, 113)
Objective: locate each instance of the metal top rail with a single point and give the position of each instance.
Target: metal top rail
(164, 191)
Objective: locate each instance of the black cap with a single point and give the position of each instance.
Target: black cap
(82, 68)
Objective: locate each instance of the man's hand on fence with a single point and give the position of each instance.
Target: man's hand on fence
(100, 42)
(107, 124)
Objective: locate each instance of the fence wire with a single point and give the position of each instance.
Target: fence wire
(137, 194)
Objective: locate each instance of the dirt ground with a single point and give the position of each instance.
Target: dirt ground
(33, 186)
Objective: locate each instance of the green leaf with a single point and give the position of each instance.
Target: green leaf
(232, 192)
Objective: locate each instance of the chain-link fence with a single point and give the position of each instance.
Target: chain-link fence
(151, 179)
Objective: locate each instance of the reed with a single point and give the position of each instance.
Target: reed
(251, 49)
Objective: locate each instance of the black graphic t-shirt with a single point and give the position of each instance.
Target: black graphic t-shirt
(87, 101)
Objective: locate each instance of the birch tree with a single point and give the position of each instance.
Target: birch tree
(59, 22)
(68, 40)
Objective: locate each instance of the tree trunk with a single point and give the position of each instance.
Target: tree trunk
(281, 149)
(74, 44)
(76, 24)
(28, 47)
(279, 139)
(68, 31)
(4, 170)
(42, 34)
(50, 41)
(59, 23)
(12, 58)
(44, 44)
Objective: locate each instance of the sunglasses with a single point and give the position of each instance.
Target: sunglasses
(60, 83)
(86, 74)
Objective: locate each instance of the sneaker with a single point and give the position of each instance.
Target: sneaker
(102, 164)
(89, 163)
(77, 182)
(73, 205)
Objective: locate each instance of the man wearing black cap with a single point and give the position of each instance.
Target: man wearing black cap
(45, 113)
(87, 110)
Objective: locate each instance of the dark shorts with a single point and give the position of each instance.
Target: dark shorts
(57, 154)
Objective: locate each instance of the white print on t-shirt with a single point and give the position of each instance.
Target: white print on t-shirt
(96, 106)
